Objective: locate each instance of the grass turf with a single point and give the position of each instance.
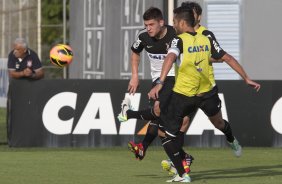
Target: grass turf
(118, 165)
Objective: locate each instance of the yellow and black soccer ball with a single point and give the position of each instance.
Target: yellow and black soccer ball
(61, 55)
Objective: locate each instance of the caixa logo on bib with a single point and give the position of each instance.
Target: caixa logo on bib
(275, 116)
(101, 103)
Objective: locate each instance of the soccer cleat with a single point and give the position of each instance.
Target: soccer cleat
(137, 149)
(125, 106)
(189, 159)
(236, 147)
(168, 166)
(185, 166)
(184, 179)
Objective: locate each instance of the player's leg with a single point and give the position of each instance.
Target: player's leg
(172, 151)
(150, 113)
(172, 120)
(152, 131)
(187, 159)
(127, 112)
(222, 125)
(140, 149)
(211, 106)
(225, 127)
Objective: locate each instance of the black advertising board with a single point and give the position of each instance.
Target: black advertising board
(82, 113)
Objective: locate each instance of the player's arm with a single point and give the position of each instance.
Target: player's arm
(168, 62)
(233, 63)
(172, 54)
(218, 54)
(136, 49)
(214, 42)
(134, 81)
(212, 60)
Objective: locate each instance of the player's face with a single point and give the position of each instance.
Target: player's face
(153, 27)
(177, 25)
(19, 51)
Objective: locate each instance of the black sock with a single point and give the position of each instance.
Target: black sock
(228, 132)
(151, 134)
(180, 141)
(147, 114)
(172, 152)
(180, 138)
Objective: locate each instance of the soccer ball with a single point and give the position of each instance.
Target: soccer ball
(61, 55)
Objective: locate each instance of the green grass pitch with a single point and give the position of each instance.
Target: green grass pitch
(118, 165)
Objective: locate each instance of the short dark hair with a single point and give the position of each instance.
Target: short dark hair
(153, 13)
(185, 13)
(194, 5)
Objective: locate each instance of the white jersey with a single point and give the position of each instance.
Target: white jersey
(156, 62)
(156, 50)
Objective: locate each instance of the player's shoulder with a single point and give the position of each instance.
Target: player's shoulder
(208, 34)
(142, 33)
(201, 36)
(170, 29)
(170, 34)
(204, 31)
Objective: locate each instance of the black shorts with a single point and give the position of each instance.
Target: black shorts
(178, 107)
(210, 103)
(166, 91)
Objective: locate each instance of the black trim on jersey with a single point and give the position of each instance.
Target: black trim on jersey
(177, 42)
(216, 51)
(192, 33)
(208, 32)
(137, 45)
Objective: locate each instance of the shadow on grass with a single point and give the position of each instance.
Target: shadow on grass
(149, 176)
(244, 172)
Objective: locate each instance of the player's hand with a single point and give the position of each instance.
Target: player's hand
(133, 85)
(154, 93)
(253, 84)
(27, 72)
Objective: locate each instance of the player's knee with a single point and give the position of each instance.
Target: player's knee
(157, 110)
(185, 124)
(161, 133)
(170, 136)
(218, 123)
(186, 121)
(165, 140)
